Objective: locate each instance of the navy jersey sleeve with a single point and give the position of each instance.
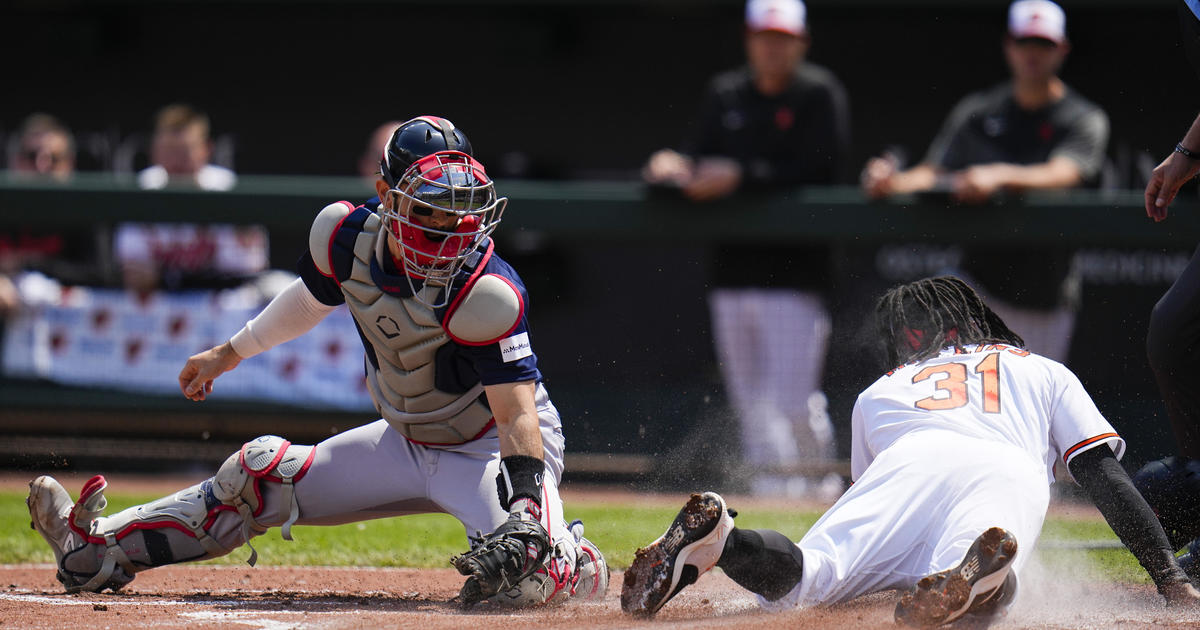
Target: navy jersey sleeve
(340, 240)
(511, 359)
(324, 288)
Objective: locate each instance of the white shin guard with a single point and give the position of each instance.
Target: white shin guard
(180, 527)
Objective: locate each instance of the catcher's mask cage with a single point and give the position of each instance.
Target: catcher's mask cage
(441, 186)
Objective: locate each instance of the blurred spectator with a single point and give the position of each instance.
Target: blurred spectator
(9, 298)
(177, 256)
(43, 147)
(368, 164)
(778, 122)
(180, 151)
(1031, 132)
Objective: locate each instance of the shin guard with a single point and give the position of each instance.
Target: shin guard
(179, 527)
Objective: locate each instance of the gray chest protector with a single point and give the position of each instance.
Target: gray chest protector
(406, 335)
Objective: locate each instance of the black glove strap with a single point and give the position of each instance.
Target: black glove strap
(520, 478)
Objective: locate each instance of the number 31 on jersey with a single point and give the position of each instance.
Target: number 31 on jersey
(953, 382)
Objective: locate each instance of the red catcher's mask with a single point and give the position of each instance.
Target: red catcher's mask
(440, 212)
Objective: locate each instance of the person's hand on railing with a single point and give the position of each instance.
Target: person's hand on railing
(976, 184)
(877, 176)
(667, 167)
(715, 177)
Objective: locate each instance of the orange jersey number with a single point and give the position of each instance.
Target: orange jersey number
(954, 383)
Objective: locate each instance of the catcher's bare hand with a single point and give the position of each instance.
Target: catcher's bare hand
(1180, 594)
(196, 377)
(516, 549)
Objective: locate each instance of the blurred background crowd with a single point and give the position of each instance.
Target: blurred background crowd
(957, 106)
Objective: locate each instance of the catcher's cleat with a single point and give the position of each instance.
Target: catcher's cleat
(688, 549)
(49, 509)
(978, 585)
(51, 512)
(591, 568)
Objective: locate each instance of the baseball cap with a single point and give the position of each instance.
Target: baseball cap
(1037, 18)
(784, 16)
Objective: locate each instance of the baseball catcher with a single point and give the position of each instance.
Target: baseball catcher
(450, 367)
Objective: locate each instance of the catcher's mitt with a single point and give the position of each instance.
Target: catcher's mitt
(503, 558)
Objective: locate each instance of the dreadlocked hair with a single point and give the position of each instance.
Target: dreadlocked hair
(916, 320)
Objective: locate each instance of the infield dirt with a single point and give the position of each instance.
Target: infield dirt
(271, 598)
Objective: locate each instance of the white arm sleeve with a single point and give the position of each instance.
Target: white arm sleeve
(292, 313)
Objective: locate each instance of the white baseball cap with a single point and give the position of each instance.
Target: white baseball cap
(1037, 18)
(784, 16)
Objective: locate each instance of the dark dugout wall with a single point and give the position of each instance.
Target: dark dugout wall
(557, 89)
(546, 88)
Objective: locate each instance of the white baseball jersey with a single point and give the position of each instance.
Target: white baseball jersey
(992, 392)
(942, 450)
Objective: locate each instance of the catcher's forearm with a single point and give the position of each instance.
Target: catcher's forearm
(1127, 513)
(290, 314)
(514, 406)
(520, 435)
(522, 469)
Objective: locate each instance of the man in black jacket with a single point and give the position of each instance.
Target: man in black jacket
(777, 123)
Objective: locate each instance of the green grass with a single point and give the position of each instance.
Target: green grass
(1115, 564)
(430, 540)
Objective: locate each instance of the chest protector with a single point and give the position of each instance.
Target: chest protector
(406, 335)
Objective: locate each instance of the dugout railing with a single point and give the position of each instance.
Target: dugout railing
(618, 274)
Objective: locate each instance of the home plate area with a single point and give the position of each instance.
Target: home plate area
(270, 598)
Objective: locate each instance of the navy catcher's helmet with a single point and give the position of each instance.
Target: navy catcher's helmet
(417, 138)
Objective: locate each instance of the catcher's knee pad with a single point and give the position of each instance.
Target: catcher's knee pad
(1172, 488)
(270, 459)
(176, 528)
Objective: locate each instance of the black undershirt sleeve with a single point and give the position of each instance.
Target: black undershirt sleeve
(1127, 513)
